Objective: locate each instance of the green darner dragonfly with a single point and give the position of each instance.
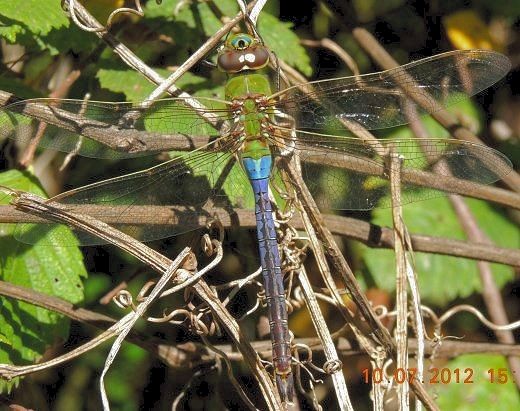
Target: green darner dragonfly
(256, 134)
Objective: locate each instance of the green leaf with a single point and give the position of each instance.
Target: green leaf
(197, 15)
(280, 37)
(442, 278)
(53, 270)
(133, 85)
(67, 38)
(10, 31)
(481, 394)
(136, 88)
(41, 25)
(37, 16)
(4, 339)
(276, 34)
(236, 185)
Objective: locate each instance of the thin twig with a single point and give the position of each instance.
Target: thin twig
(336, 49)
(490, 292)
(370, 234)
(60, 92)
(195, 57)
(133, 317)
(329, 349)
(401, 299)
(9, 372)
(174, 356)
(125, 140)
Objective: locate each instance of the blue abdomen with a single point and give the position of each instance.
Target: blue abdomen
(273, 280)
(257, 169)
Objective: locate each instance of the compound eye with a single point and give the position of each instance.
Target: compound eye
(241, 41)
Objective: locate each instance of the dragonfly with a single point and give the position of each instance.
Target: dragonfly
(258, 127)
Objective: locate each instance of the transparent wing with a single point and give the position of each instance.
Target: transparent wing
(172, 198)
(348, 173)
(376, 100)
(113, 130)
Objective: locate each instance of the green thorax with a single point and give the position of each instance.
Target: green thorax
(243, 85)
(247, 87)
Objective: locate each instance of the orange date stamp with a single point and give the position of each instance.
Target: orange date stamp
(433, 375)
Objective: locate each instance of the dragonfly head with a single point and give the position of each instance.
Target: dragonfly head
(241, 52)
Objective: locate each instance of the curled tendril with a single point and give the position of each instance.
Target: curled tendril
(199, 327)
(260, 295)
(297, 300)
(172, 317)
(306, 350)
(145, 290)
(216, 224)
(332, 366)
(70, 6)
(207, 245)
(123, 299)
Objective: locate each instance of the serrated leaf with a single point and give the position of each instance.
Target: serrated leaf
(481, 394)
(10, 31)
(37, 16)
(55, 271)
(58, 40)
(442, 278)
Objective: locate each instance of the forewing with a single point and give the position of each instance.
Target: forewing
(113, 130)
(376, 100)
